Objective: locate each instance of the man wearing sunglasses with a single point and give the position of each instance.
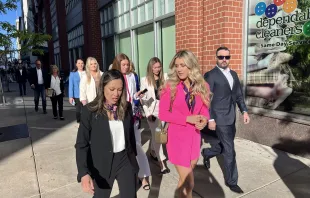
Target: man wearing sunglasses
(227, 92)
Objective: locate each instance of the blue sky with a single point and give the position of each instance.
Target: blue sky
(11, 16)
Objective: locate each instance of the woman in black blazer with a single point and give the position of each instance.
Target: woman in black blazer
(106, 145)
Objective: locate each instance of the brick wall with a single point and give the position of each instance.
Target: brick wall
(92, 33)
(204, 25)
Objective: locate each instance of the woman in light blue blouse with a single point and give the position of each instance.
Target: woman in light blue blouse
(74, 87)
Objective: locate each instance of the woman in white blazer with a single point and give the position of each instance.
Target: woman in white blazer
(154, 80)
(90, 81)
(122, 63)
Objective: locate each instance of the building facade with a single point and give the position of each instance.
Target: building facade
(267, 40)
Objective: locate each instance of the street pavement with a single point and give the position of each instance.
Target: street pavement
(43, 164)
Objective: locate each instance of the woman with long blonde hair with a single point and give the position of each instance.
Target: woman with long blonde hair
(184, 105)
(153, 82)
(90, 81)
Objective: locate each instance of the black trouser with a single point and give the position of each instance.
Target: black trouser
(57, 99)
(22, 87)
(78, 106)
(124, 173)
(226, 147)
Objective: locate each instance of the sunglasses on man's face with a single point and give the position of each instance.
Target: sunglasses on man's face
(222, 57)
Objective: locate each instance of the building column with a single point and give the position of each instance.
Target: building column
(92, 32)
(204, 25)
(62, 33)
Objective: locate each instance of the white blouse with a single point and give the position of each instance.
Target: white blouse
(118, 135)
(55, 84)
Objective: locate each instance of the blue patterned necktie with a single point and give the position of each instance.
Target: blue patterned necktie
(189, 97)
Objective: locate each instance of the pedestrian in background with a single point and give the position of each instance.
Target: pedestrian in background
(21, 79)
(106, 145)
(55, 82)
(153, 82)
(37, 77)
(90, 81)
(227, 92)
(74, 87)
(184, 105)
(122, 64)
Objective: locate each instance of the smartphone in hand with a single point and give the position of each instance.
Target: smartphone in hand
(143, 92)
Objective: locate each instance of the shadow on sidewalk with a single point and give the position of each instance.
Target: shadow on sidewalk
(205, 184)
(298, 181)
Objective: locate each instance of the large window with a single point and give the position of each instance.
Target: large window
(167, 42)
(75, 44)
(69, 4)
(142, 29)
(277, 65)
(125, 44)
(145, 48)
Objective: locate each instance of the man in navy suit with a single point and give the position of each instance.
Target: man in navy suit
(227, 92)
(36, 79)
(21, 78)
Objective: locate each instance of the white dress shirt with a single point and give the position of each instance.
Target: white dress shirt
(40, 77)
(118, 135)
(228, 76)
(21, 72)
(55, 84)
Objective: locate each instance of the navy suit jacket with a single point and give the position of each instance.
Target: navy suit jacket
(33, 76)
(223, 104)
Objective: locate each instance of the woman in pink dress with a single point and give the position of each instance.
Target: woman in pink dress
(184, 105)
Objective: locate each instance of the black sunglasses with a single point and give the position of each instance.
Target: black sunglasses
(222, 57)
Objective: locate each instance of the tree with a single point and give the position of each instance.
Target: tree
(8, 32)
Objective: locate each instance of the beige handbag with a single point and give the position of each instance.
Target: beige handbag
(50, 92)
(161, 135)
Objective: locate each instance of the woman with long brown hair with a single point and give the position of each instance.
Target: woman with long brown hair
(153, 82)
(122, 63)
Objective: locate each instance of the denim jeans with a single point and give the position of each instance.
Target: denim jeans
(40, 90)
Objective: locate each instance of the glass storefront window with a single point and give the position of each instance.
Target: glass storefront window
(125, 44)
(149, 11)
(134, 16)
(145, 49)
(141, 14)
(167, 44)
(133, 3)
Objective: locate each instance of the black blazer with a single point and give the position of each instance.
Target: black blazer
(47, 83)
(33, 76)
(21, 78)
(223, 104)
(94, 149)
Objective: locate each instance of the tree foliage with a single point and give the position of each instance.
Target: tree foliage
(8, 32)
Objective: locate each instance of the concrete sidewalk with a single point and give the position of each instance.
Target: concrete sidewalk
(43, 165)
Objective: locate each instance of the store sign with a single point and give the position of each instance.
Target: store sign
(278, 55)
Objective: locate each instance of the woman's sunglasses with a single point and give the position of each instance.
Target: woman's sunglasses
(222, 57)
